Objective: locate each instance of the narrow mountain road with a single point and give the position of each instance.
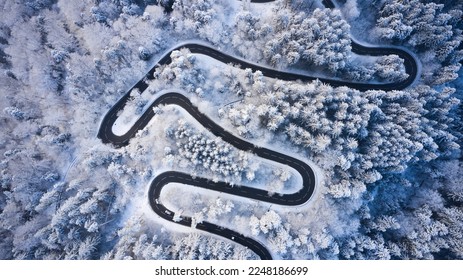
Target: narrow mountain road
(308, 178)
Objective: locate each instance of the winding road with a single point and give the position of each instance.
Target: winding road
(106, 134)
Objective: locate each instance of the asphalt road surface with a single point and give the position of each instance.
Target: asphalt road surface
(300, 197)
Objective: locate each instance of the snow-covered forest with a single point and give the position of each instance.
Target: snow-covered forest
(388, 163)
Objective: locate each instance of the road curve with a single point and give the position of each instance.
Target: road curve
(106, 134)
(410, 63)
(293, 199)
